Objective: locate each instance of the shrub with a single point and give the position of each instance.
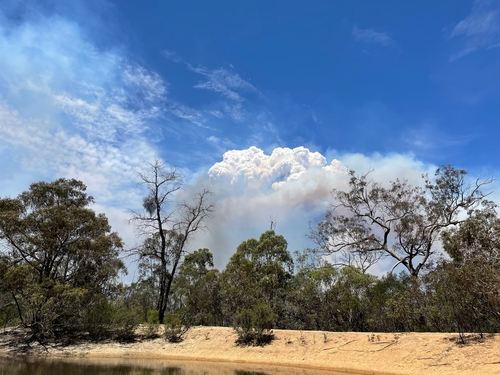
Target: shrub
(254, 326)
(97, 320)
(125, 322)
(152, 325)
(173, 328)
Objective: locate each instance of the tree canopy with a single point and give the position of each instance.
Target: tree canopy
(400, 221)
(57, 252)
(59, 262)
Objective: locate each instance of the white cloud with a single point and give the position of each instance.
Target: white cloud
(427, 138)
(171, 55)
(106, 168)
(229, 85)
(224, 82)
(186, 113)
(149, 84)
(372, 36)
(252, 166)
(479, 30)
(217, 114)
(69, 109)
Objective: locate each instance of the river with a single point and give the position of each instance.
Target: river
(107, 366)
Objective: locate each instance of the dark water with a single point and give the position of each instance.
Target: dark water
(85, 366)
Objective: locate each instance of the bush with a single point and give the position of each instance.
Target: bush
(254, 326)
(173, 328)
(152, 325)
(125, 322)
(97, 320)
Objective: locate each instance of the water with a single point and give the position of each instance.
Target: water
(107, 366)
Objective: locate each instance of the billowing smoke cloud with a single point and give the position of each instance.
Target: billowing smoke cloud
(291, 187)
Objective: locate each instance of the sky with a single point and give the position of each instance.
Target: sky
(267, 104)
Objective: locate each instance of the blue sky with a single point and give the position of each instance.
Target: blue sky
(290, 92)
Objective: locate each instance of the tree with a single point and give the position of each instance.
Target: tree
(59, 253)
(464, 289)
(476, 239)
(196, 292)
(398, 304)
(401, 221)
(259, 271)
(167, 230)
(310, 304)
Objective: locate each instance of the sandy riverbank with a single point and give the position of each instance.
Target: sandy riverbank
(363, 353)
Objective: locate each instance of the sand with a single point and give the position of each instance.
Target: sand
(360, 353)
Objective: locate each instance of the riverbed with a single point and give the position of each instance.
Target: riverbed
(353, 352)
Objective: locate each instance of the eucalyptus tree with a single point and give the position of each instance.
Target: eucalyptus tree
(58, 254)
(167, 226)
(400, 221)
(259, 272)
(464, 289)
(196, 292)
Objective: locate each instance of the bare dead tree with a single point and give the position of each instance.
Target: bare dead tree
(272, 223)
(402, 221)
(167, 227)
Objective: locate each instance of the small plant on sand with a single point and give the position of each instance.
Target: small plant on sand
(152, 325)
(302, 338)
(254, 326)
(325, 337)
(173, 328)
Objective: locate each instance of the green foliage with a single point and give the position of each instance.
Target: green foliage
(398, 304)
(111, 320)
(59, 263)
(311, 301)
(197, 290)
(142, 294)
(59, 255)
(463, 292)
(152, 325)
(353, 298)
(260, 271)
(173, 328)
(125, 321)
(254, 326)
(98, 320)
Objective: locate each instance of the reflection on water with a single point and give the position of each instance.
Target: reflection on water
(63, 367)
(107, 366)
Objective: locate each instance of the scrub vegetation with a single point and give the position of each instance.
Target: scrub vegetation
(60, 262)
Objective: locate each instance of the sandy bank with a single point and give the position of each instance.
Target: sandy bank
(363, 353)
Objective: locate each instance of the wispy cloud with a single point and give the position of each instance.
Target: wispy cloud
(430, 141)
(171, 55)
(479, 30)
(184, 112)
(69, 109)
(229, 85)
(225, 82)
(372, 36)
